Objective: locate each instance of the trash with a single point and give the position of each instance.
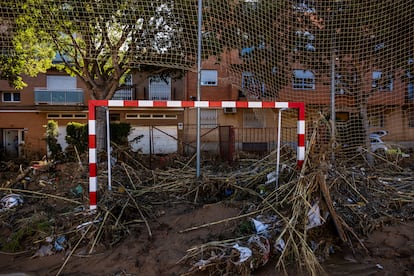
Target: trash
(280, 245)
(314, 216)
(228, 192)
(44, 250)
(79, 209)
(245, 253)
(59, 244)
(262, 189)
(379, 266)
(271, 177)
(260, 227)
(88, 223)
(10, 201)
(261, 245)
(77, 191)
(313, 245)
(44, 183)
(201, 264)
(39, 166)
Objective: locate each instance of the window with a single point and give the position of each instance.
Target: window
(254, 118)
(150, 116)
(250, 5)
(376, 120)
(61, 82)
(208, 118)
(410, 90)
(342, 116)
(11, 97)
(381, 82)
(160, 88)
(209, 77)
(304, 41)
(303, 80)
(341, 86)
(66, 116)
(379, 47)
(304, 5)
(251, 87)
(126, 93)
(410, 118)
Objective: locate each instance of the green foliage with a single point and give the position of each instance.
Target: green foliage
(245, 228)
(34, 227)
(119, 133)
(26, 50)
(11, 69)
(52, 131)
(15, 241)
(101, 41)
(77, 136)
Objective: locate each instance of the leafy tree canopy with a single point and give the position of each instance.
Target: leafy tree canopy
(24, 50)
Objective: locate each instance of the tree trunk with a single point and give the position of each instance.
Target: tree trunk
(100, 129)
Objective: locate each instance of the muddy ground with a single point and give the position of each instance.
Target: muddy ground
(391, 250)
(157, 241)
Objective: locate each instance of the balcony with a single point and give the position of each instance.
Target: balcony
(58, 97)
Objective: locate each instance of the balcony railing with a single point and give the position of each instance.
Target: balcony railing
(59, 97)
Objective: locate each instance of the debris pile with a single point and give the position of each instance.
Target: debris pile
(299, 222)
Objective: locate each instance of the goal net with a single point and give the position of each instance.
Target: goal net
(350, 61)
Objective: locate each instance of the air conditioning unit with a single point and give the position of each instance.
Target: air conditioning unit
(229, 110)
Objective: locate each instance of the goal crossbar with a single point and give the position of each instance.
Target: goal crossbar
(92, 104)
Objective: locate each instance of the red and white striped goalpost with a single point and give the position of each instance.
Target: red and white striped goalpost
(93, 183)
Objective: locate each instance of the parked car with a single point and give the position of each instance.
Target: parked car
(380, 133)
(377, 145)
(382, 148)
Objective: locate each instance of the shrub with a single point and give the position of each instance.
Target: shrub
(52, 131)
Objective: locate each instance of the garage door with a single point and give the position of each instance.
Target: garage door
(61, 139)
(155, 140)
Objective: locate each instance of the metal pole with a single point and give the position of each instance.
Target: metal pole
(199, 40)
(279, 131)
(108, 149)
(333, 84)
(333, 88)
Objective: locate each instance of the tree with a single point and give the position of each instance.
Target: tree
(362, 36)
(23, 51)
(274, 36)
(367, 36)
(100, 41)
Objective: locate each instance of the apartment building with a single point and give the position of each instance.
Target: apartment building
(63, 98)
(24, 113)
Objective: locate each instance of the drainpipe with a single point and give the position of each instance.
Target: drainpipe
(108, 149)
(333, 113)
(199, 40)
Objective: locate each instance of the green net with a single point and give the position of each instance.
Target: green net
(348, 60)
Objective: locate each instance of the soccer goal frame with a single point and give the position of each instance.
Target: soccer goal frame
(93, 104)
